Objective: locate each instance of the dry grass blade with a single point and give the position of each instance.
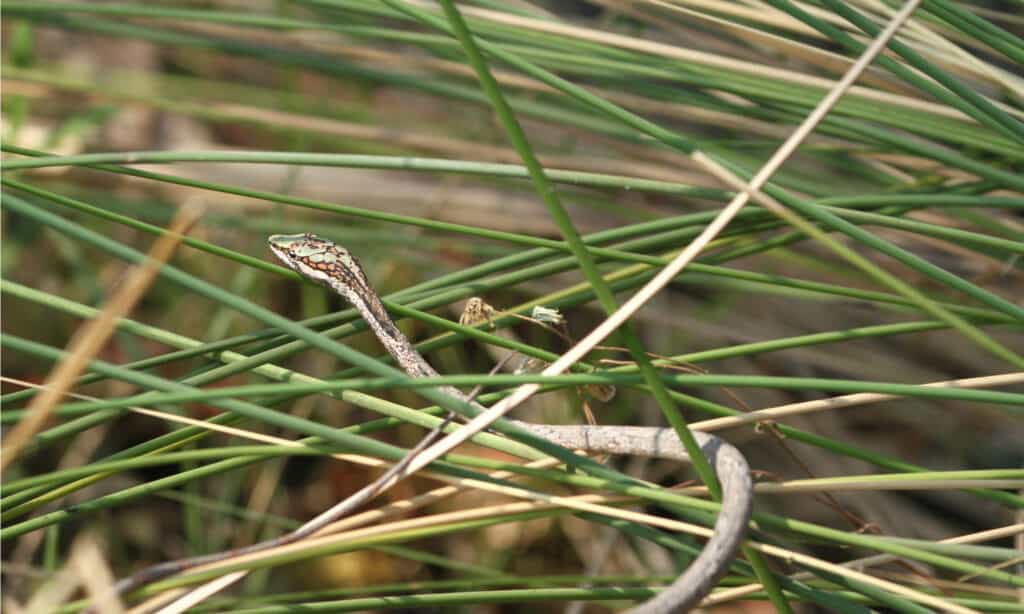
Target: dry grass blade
(848, 400)
(88, 341)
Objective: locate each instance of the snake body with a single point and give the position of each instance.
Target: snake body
(324, 262)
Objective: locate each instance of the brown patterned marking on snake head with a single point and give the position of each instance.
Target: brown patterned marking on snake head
(329, 264)
(318, 258)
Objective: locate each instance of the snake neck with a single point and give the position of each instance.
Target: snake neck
(397, 344)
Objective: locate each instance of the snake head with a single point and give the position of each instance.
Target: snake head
(320, 260)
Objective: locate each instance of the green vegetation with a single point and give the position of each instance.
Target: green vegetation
(554, 155)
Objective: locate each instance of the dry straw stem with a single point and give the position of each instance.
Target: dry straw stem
(191, 598)
(874, 484)
(848, 400)
(951, 586)
(740, 592)
(85, 568)
(93, 335)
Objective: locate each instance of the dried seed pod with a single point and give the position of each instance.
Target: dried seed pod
(476, 312)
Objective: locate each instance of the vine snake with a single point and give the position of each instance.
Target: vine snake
(324, 262)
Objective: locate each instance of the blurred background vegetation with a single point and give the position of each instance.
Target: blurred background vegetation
(365, 123)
